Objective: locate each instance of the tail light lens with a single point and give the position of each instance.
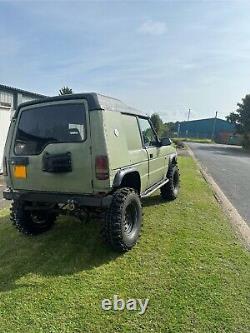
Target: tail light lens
(101, 167)
(5, 168)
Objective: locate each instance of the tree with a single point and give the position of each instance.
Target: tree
(65, 91)
(157, 123)
(241, 119)
(169, 129)
(163, 130)
(232, 118)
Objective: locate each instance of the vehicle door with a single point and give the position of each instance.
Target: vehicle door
(51, 148)
(157, 154)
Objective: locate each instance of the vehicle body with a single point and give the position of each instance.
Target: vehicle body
(79, 152)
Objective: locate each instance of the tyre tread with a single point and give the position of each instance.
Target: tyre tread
(112, 230)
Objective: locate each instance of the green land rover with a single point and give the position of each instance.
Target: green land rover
(85, 154)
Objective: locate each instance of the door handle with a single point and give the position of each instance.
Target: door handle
(151, 155)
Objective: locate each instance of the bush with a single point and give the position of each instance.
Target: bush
(246, 142)
(179, 143)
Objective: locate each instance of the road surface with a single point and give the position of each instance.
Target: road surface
(230, 168)
(3, 203)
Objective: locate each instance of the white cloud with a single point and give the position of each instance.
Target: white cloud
(150, 27)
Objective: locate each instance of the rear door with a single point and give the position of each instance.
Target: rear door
(156, 154)
(51, 148)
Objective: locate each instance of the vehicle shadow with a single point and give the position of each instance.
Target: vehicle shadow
(152, 201)
(68, 248)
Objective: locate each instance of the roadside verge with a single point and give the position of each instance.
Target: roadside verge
(238, 223)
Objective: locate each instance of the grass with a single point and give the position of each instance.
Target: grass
(198, 140)
(188, 262)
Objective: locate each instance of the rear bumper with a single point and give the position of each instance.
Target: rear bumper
(82, 200)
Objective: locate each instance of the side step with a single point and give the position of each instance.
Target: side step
(154, 188)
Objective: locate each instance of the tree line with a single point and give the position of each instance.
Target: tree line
(162, 129)
(240, 118)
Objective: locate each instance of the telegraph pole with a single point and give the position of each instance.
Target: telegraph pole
(214, 125)
(189, 111)
(178, 130)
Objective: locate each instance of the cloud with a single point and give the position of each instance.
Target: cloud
(150, 27)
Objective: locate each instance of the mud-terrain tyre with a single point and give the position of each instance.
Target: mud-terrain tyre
(31, 222)
(170, 190)
(123, 220)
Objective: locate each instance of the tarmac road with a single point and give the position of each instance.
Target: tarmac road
(230, 168)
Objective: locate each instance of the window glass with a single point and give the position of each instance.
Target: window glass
(132, 132)
(49, 124)
(148, 135)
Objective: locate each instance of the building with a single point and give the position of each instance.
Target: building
(10, 98)
(211, 128)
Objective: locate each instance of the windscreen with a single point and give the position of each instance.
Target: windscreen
(40, 126)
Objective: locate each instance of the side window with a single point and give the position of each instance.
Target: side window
(148, 135)
(132, 132)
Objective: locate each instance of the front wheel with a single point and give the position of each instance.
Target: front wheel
(170, 190)
(123, 220)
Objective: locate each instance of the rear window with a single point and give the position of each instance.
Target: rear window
(42, 125)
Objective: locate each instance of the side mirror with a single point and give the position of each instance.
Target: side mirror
(166, 141)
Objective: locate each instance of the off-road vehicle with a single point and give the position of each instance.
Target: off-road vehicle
(81, 154)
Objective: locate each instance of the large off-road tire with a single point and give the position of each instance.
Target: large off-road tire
(31, 222)
(170, 190)
(123, 220)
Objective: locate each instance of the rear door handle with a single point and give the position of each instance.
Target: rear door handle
(151, 155)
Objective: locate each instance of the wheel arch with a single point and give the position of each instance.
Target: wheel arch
(128, 178)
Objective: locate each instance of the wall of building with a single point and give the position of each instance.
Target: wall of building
(204, 128)
(8, 102)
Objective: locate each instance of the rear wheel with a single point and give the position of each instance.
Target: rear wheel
(31, 222)
(170, 190)
(123, 220)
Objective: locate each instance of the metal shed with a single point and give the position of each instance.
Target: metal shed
(209, 128)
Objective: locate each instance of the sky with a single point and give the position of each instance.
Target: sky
(158, 56)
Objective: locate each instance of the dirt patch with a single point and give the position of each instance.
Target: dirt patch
(182, 152)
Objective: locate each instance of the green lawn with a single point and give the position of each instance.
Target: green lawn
(188, 262)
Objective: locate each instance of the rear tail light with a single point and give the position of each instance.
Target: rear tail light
(5, 168)
(101, 167)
